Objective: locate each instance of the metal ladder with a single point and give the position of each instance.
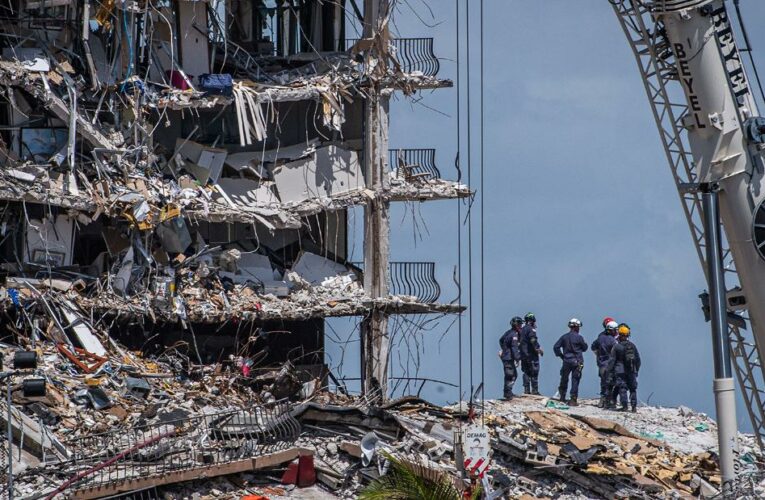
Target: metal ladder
(668, 104)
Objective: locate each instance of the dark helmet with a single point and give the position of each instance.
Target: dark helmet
(529, 318)
(516, 321)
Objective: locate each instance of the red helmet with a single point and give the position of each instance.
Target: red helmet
(607, 320)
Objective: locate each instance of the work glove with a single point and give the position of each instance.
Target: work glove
(499, 354)
(540, 352)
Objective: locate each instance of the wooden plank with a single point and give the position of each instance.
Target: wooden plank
(203, 472)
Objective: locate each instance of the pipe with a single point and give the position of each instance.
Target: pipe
(107, 463)
(725, 399)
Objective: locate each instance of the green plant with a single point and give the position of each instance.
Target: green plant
(409, 481)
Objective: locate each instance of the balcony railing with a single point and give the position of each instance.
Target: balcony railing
(414, 162)
(180, 445)
(417, 279)
(413, 54)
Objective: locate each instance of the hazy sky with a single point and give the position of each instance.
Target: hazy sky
(582, 216)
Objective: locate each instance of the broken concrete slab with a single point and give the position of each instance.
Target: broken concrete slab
(327, 172)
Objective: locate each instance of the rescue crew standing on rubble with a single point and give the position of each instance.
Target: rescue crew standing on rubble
(530, 353)
(601, 348)
(624, 365)
(569, 348)
(510, 354)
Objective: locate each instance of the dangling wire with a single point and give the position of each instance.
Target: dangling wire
(470, 205)
(459, 204)
(483, 197)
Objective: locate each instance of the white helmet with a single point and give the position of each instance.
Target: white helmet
(573, 322)
(612, 325)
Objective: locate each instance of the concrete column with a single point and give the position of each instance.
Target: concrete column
(375, 346)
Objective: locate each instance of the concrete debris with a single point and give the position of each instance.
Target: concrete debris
(585, 452)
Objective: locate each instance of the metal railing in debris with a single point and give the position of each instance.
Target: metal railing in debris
(179, 445)
(415, 55)
(416, 161)
(417, 279)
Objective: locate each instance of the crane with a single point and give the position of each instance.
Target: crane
(714, 138)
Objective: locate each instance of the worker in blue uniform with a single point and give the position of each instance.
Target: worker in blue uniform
(510, 354)
(530, 353)
(601, 348)
(569, 348)
(624, 366)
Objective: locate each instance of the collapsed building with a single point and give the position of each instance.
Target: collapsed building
(175, 179)
(169, 165)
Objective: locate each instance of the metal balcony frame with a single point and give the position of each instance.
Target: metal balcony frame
(416, 279)
(654, 58)
(412, 54)
(417, 161)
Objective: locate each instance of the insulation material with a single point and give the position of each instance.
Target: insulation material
(249, 115)
(239, 193)
(326, 172)
(49, 242)
(32, 59)
(315, 269)
(253, 267)
(203, 162)
(174, 235)
(192, 38)
(254, 160)
(81, 329)
(247, 163)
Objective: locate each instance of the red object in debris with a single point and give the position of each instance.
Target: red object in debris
(306, 471)
(291, 474)
(177, 79)
(254, 497)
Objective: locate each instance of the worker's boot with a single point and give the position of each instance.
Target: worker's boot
(634, 408)
(572, 402)
(561, 395)
(535, 390)
(526, 389)
(602, 403)
(623, 408)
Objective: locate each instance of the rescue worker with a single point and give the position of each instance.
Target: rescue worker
(530, 353)
(601, 348)
(569, 348)
(624, 365)
(510, 354)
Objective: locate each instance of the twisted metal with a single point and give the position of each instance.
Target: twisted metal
(178, 445)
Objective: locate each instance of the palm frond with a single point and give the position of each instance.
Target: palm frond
(410, 481)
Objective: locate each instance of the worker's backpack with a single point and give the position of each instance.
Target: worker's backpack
(630, 356)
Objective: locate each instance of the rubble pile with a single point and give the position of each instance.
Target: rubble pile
(537, 450)
(117, 420)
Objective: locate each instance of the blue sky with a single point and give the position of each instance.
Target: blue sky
(582, 216)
